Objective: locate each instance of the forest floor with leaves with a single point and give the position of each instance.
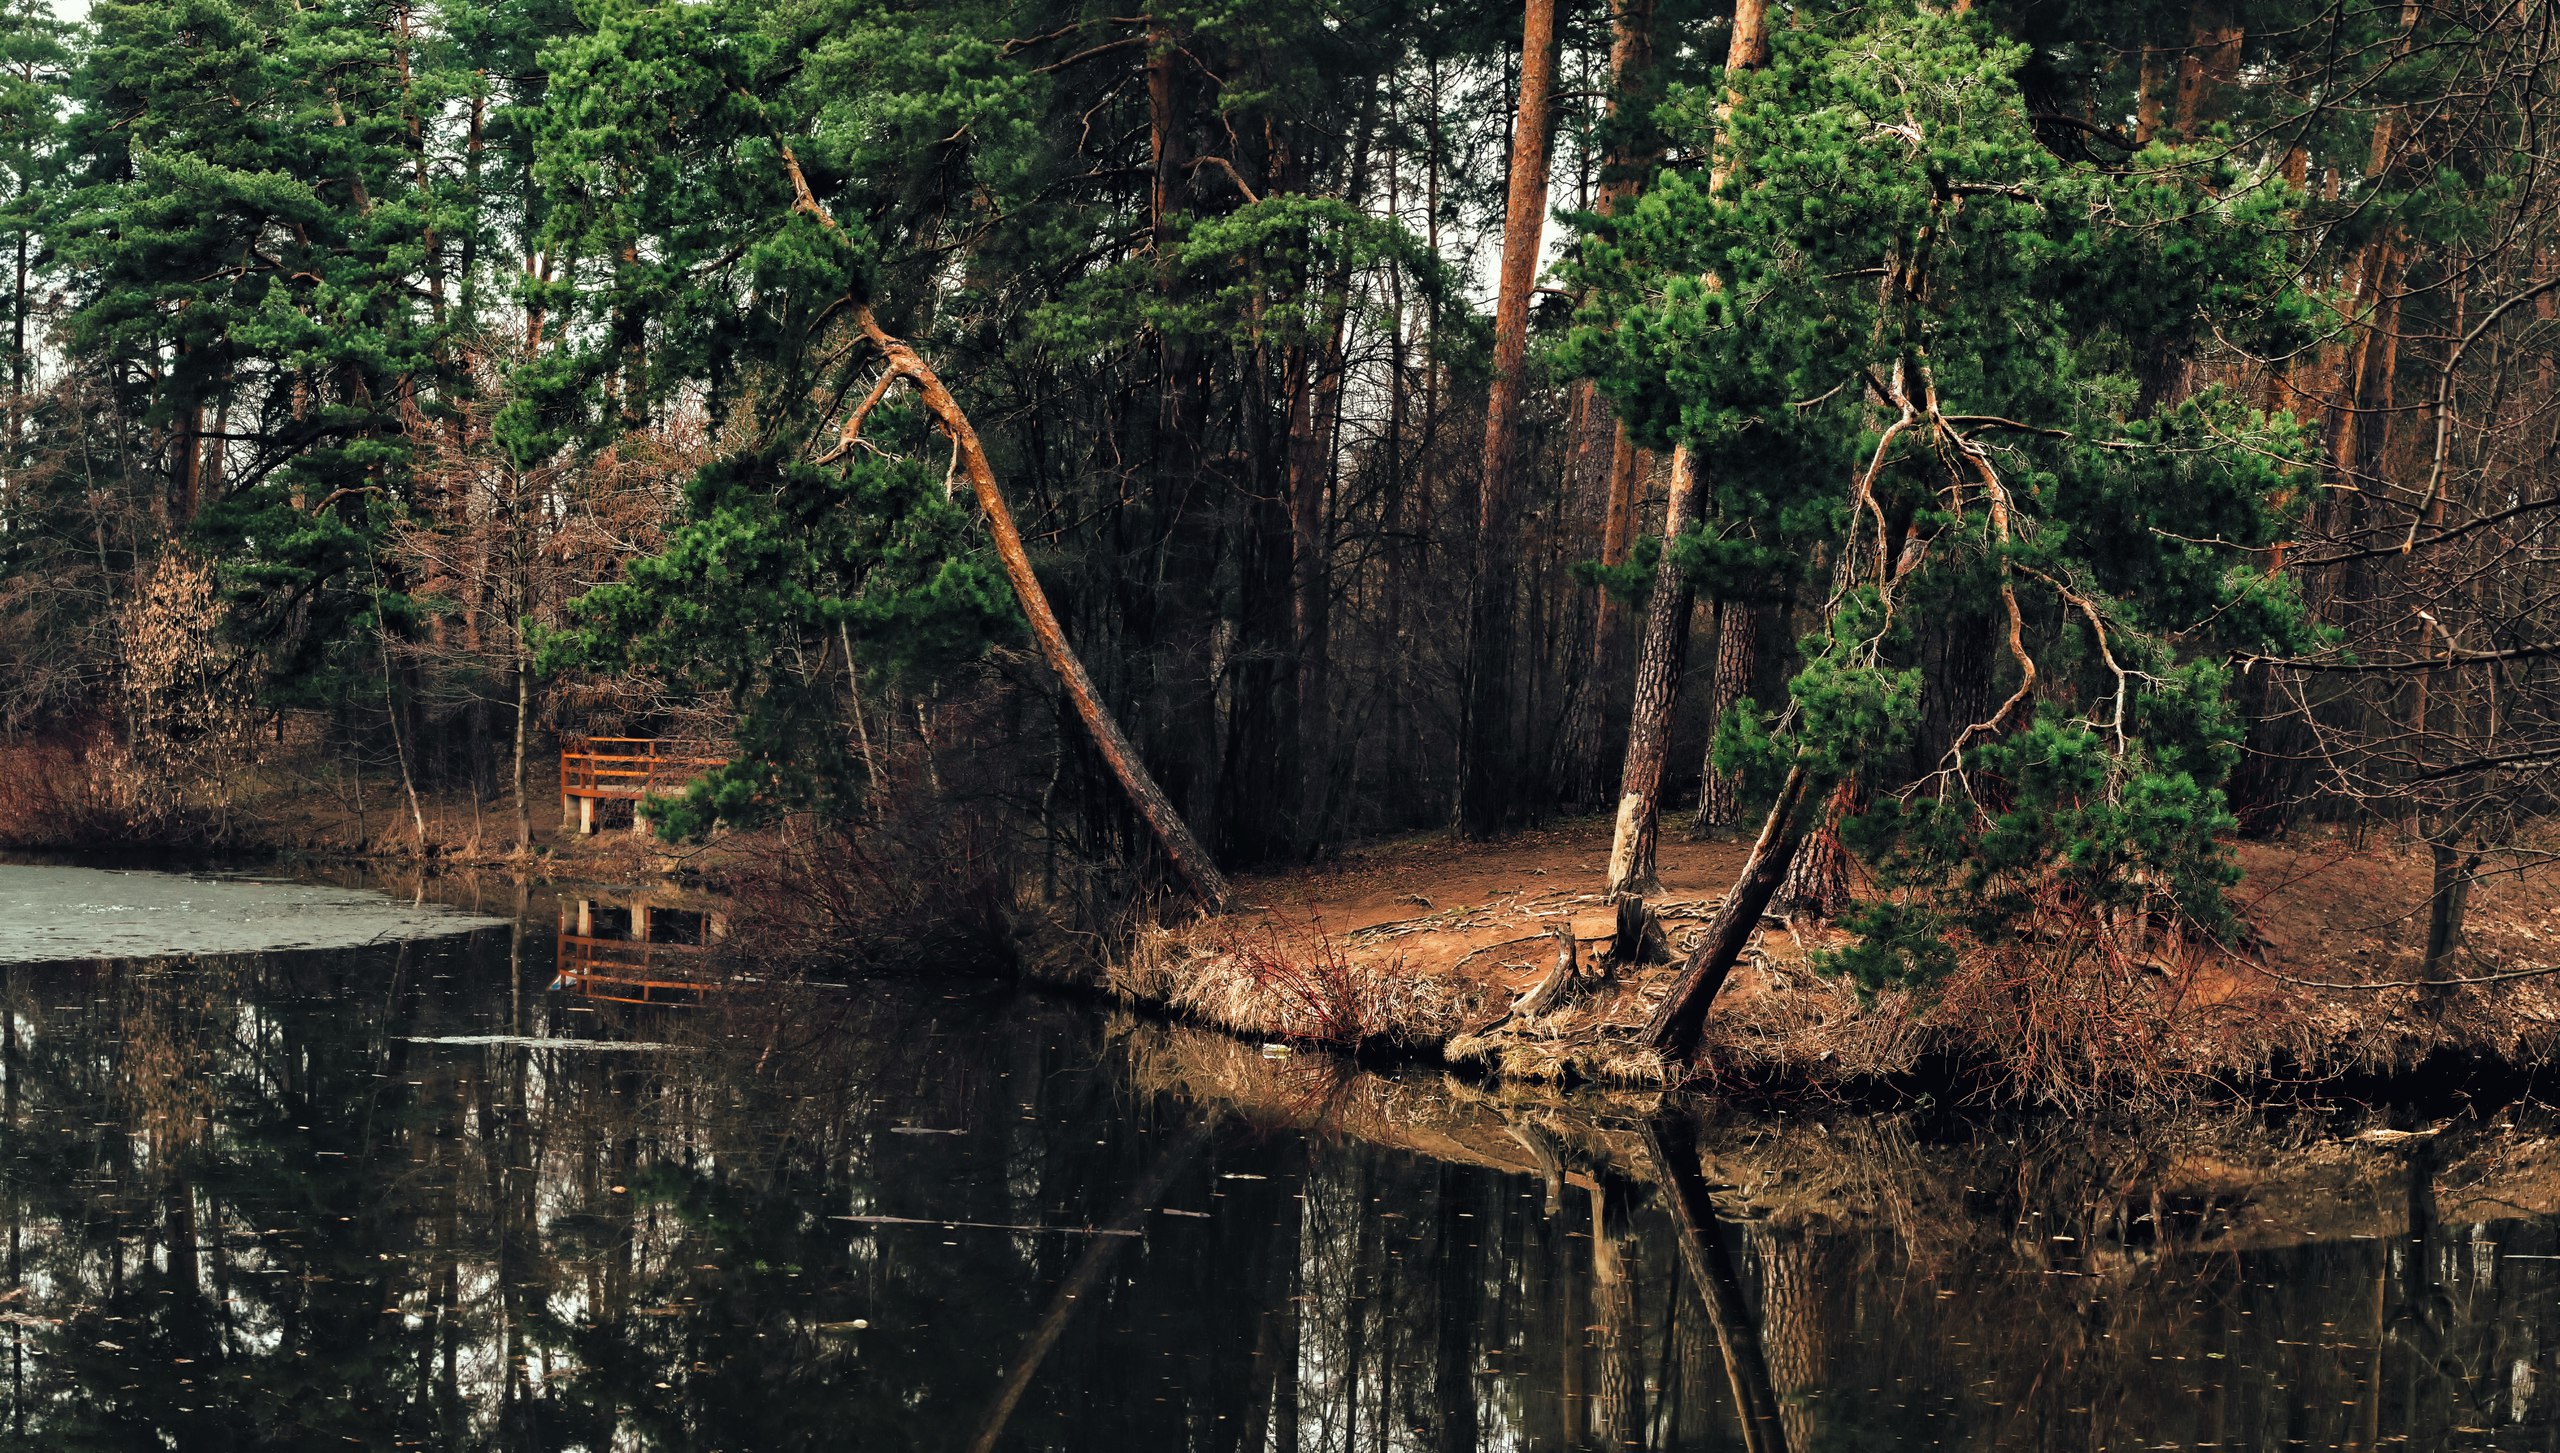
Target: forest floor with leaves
(1425, 946)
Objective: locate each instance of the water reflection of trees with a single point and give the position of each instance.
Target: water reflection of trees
(250, 1203)
(1864, 1283)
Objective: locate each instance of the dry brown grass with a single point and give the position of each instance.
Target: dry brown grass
(1284, 977)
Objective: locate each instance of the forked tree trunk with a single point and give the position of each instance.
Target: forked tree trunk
(1486, 788)
(1737, 657)
(1658, 667)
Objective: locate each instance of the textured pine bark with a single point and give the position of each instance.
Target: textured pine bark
(1737, 657)
(1817, 884)
(1658, 667)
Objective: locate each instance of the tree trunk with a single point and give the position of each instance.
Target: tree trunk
(1622, 175)
(1486, 789)
(2448, 896)
(1618, 1400)
(1649, 728)
(1658, 667)
(1671, 1142)
(524, 728)
(1189, 860)
(1737, 657)
(1682, 1016)
(1817, 885)
(1314, 436)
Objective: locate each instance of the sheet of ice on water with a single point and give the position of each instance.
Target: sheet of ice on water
(51, 913)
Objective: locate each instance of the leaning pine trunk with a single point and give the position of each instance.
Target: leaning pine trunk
(1189, 859)
(1682, 1016)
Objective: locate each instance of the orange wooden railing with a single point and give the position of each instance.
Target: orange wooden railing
(624, 972)
(632, 766)
(596, 769)
(633, 967)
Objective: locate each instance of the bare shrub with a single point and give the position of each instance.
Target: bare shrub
(1305, 985)
(2079, 1010)
(190, 695)
(915, 890)
(65, 792)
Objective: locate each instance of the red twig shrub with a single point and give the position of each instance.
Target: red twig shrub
(1303, 983)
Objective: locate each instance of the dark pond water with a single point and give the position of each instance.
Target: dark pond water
(458, 1192)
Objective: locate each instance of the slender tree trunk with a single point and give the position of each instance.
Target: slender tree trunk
(1658, 668)
(1666, 637)
(1189, 860)
(1737, 657)
(1486, 750)
(474, 152)
(399, 739)
(188, 459)
(524, 729)
(1313, 448)
(1623, 170)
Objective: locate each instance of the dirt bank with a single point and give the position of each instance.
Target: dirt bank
(1424, 945)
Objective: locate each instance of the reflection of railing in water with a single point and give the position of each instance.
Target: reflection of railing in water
(637, 953)
(625, 769)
